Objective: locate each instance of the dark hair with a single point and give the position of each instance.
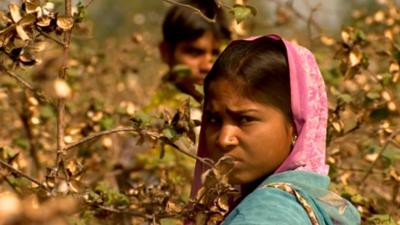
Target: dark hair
(184, 24)
(258, 69)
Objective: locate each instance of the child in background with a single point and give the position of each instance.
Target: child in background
(189, 47)
(190, 42)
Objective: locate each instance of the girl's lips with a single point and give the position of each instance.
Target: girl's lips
(235, 159)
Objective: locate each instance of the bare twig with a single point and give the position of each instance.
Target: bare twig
(88, 3)
(222, 4)
(19, 79)
(51, 38)
(99, 134)
(310, 20)
(131, 129)
(11, 168)
(198, 11)
(306, 19)
(380, 153)
(202, 160)
(38, 94)
(32, 145)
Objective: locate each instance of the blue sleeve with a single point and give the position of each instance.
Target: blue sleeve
(268, 206)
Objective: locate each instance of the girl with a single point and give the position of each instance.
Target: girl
(266, 107)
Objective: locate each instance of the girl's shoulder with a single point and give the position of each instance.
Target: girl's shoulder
(269, 205)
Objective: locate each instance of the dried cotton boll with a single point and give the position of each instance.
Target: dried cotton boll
(10, 207)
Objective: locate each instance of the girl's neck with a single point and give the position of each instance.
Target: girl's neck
(246, 189)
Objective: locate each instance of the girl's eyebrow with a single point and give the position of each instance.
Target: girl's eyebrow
(241, 111)
(232, 111)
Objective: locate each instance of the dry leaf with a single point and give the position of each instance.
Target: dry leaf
(355, 57)
(224, 165)
(44, 21)
(65, 23)
(21, 33)
(223, 203)
(371, 157)
(327, 40)
(337, 126)
(15, 13)
(32, 6)
(209, 179)
(345, 37)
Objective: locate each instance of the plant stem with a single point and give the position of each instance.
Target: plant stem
(11, 168)
(99, 134)
(380, 153)
(61, 101)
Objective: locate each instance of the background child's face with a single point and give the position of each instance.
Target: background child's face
(198, 55)
(257, 136)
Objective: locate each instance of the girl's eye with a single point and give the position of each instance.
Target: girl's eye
(212, 119)
(245, 119)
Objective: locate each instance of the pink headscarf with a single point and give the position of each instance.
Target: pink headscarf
(310, 113)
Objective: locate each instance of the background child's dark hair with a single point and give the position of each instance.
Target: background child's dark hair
(259, 71)
(184, 24)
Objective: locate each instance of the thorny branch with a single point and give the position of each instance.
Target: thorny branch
(11, 168)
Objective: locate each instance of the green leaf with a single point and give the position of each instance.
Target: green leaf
(47, 112)
(21, 142)
(346, 98)
(242, 12)
(106, 123)
(81, 14)
(169, 132)
(392, 153)
(141, 119)
(373, 95)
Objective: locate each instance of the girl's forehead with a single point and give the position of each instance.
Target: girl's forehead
(223, 95)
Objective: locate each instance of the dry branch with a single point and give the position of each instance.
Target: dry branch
(11, 168)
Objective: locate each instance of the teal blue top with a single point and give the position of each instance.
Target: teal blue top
(272, 206)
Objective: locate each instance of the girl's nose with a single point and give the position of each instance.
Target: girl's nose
(227, 138)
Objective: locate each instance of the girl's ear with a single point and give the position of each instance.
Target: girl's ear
(166, 52)
(292, 133)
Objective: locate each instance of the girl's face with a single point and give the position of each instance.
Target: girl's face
(256, 135)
